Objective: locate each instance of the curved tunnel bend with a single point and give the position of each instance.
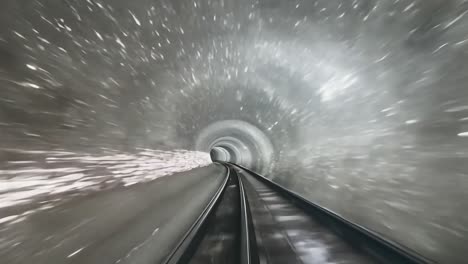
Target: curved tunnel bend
(237, 142)
(359, 105)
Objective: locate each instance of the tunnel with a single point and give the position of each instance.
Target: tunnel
(115, 113)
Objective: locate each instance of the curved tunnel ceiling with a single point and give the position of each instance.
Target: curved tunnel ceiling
(360, 105)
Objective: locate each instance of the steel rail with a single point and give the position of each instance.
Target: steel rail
(361, 238)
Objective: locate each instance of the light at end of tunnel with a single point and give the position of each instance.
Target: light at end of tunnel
(238, 142)
(220, 154)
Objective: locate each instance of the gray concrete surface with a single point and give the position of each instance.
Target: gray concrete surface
(139, 224)
(365, 102)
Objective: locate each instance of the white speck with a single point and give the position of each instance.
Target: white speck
(76, 252)
(463, 134)
(383, 58)
(99, 35)
(457, 109)
(19, 35)
(386, 110)
(155, 231)
(29, 85)
(461, 42)
(32, 134)
(455, 20)
(43, 40)
(15, 244)
(412, 121)
(120, 43)
(8, 218)
(408, 7)
(136, 19)
(31, 67)
(439, 48)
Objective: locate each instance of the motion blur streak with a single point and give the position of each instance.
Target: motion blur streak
(54, 173)
(359, 105)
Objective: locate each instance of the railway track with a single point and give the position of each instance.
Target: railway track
(252, 220)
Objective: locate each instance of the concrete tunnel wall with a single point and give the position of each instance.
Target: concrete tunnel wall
(361, 106)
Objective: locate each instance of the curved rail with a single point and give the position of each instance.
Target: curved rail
(248, 250)
(381, 249)
(189, 242)
(244, 245)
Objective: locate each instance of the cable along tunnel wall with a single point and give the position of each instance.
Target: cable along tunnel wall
(363, 103)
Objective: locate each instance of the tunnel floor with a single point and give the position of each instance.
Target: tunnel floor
(286, 234)
(274, 226)
(222, 213)
(137, 224)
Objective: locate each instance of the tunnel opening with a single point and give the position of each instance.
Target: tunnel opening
(220, 154)
(238, 142)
